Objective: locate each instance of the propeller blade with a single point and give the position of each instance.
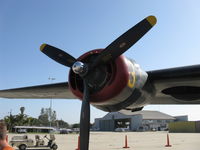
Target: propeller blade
(85, 118)
(58, 55)
(125, 41)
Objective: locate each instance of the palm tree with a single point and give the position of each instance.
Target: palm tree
(22, 109)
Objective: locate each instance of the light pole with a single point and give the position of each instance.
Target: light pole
(51, 79)
(10, 121)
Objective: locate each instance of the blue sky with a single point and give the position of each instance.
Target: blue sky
(79, 26)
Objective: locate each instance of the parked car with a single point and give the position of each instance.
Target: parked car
(121, 129)
(65, 131)
(21, 131)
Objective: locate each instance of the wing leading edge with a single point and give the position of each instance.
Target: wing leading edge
(56, 91)
(176, 85)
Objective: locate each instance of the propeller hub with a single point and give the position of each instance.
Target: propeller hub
(79, 68)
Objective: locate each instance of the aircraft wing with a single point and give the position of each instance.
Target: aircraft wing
(176, 85)
(57, 90)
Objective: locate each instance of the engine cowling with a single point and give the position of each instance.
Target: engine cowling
(112, 83)
(104, 79)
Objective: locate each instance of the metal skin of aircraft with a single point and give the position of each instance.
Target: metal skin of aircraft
(109, 81)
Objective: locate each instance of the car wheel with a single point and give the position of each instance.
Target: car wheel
(22, 147)
(54, 147)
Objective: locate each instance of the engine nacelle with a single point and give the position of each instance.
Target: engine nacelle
(112, 84)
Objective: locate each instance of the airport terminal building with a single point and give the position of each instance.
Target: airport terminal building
(136, 121)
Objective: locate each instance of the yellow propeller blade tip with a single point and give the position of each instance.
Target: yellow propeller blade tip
(152, 20)
(42, 47)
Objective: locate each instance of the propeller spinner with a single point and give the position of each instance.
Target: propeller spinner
(110, 53)
(80, 68)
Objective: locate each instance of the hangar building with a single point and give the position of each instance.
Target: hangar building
(135, 121)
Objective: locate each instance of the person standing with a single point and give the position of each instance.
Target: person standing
(4, 137)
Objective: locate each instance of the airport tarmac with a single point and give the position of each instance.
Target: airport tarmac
(136, 140)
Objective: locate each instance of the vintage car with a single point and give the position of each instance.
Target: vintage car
(23, 142)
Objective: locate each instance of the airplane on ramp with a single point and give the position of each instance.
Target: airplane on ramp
(111, 82)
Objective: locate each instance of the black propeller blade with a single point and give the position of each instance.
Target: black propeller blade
(125, 41)
(58, 55)
(85, 118)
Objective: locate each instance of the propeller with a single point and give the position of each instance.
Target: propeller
(85, 118)
(58, 55)
(125, 41)
(110, 53)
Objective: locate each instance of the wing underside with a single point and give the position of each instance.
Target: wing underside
(176, 85)
(56, 91)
